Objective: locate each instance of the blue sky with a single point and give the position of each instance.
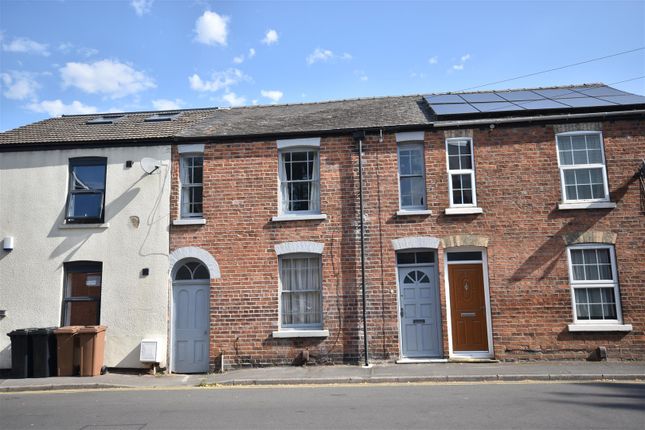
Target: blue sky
(65, 57)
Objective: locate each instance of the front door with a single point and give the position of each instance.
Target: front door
(420, 320)
(190, 333)
(468, 307)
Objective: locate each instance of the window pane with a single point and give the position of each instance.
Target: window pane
(417, 191)
(595, 156)
(89, 177)
(467, 197)
(465, 256)
(582, 311)
(609, 311)
(578, 143)
(405, 258)
(566, 158)
(595, 312)
(85, 205)
(417, 161)
(453, 162)
(425, 257)
(576, 256)
(201, 272)
(453, 148)
(404, 162)
(593, 141)
(183, 274)
(456, 181)
(82, 313)
(607, 295)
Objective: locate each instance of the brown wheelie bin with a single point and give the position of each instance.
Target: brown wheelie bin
(91, 340)
(67, 353)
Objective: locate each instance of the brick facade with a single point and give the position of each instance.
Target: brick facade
(518, 188)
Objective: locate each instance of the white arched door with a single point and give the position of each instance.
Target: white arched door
(190, 309)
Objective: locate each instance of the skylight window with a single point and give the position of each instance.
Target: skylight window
(105, 119)
(164, 116)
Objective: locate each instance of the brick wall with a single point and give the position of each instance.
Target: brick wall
(518, 188)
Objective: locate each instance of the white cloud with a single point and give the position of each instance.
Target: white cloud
(273, 95)
(326, 55)
(108, 77)
(251, 53)
(361, 75)
(58, 108)
(19, 85)
(211, 29)
(68, 47)
(219, 80)
(166, 104)
(233, 100)
(239, 59)
(271, 37)
(433, 60)
(460, 65)
(25, 45)
(254, 102)
(141, 7)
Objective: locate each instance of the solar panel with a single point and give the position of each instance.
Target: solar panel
(482, 97)
(496, 107)
(453, 108)
(521, 101)
(513, 96)
(586, 102)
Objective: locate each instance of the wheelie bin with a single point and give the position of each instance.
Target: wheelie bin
(67, 350)
(21, 357)
(92, 349)
(43, 351)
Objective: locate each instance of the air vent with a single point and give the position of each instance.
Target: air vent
(164, 116)
(105, 119)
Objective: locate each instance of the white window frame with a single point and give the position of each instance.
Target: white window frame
(281, 204)
(594, 284)
(182, 169)
(582, 166)
(470, 172)
(412, 144)
(299, 327)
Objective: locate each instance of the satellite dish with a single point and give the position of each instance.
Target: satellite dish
(149, 165)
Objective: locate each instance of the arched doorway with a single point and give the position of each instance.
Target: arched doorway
(190, 317)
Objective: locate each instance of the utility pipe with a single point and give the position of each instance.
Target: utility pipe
(359, 136)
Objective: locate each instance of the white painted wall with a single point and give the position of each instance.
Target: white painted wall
(33, 191)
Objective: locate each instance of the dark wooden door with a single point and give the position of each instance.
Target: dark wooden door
(468, 307)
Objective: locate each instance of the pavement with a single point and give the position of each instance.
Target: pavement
(379, 373)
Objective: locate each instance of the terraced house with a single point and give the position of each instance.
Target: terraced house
(504, 225)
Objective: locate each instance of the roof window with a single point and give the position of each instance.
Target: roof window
(163, 116)
(105, 119)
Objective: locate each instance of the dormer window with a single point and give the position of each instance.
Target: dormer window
(162, 116)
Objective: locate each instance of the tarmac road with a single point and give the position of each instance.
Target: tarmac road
(370, 406)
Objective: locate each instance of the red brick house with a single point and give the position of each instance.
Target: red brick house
(502, 225)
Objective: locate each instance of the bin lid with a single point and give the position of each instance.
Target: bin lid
(68, 329)
(44, 330)
(22, 332)
(92, 329)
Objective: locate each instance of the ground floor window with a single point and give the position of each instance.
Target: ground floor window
(594, 281)
(301, 291)
(82, 293)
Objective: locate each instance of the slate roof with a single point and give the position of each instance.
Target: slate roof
(314, 117)
(74, 128)
(289, 119)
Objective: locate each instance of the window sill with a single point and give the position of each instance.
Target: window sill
(600, 327)
(586, 205)
(421, 212)
(281, 218)
(189, 221)
(84, 226)
(463, 211)
(282, 334)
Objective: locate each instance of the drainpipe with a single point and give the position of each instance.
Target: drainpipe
(359, 136)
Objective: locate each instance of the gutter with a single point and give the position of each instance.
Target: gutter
(537, 118)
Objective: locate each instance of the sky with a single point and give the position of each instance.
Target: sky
(67, 57)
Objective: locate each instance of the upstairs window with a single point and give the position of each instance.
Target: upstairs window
(191, 173)
(86, 195)
(582, 167)
(592, 272)
(412, 184)
(461, 172)
(299, 181)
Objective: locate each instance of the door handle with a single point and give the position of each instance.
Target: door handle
(402, 313)
(468, 314)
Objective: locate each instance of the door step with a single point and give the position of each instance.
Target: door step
(471, 360)
(421, 360)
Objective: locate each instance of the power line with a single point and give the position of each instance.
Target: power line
(627, 80)
(555, 68)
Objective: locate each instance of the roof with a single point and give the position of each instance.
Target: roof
(293, 119)
(131, 126)
(314, 117)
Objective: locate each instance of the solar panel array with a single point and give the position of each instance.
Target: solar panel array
(531, 100)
